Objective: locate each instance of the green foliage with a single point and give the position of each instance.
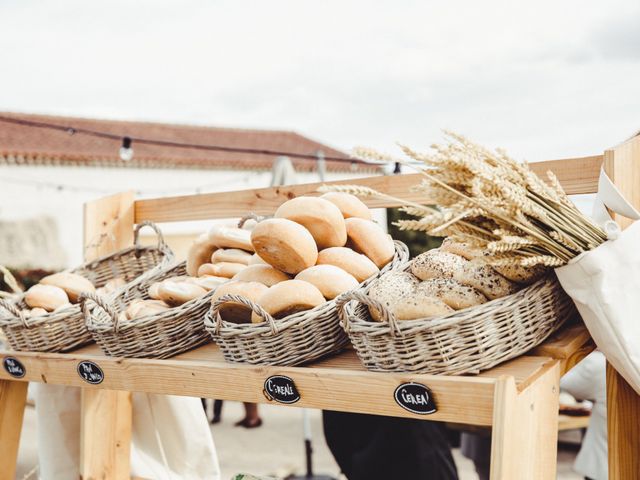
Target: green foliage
(417, 242)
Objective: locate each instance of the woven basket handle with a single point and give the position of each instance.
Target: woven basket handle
(100, 302)
(12, 309)
(386, 315)
(162, 245)
(257, 309)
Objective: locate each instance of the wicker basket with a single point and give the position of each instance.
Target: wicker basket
(292, 340)
(467, 341)
(162, 335)
(64, 330)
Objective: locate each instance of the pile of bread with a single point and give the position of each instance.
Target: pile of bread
(58, 291)
(445, 280)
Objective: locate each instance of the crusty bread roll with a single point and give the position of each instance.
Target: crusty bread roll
(358, 265)
(208, 282)
(349, 205)
(141, 308)
(256, 260)
(231, 255)
(451, 292)
(391, 289)
(370, 239)
(238, 312)
(48, 297)
(199, 253)
(321, 217)
(329, 279)
(177, 293)
(71, 283)
(520, 274)
(265, 274)
(284, 244)
(230, 237)
(287, 298)
(222, 269)
(438, 264)
(460, 248)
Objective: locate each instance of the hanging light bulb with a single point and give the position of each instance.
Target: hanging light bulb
(126, 152)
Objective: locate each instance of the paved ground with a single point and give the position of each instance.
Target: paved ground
(276, 448)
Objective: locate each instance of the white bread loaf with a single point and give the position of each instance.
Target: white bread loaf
(238, 312)
(48, 297)
(358, 265)
(451, 292)
(230, 237)
(199, 253)
(370, 239)
(71, 283)
(349, 205)
(284, 244)
(265, 274)
(287, 298)
(222, 269)
(329, 279)
(231, 255)
(321, 217)
(177, 293)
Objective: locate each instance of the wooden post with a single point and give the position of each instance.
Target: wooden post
(13, 397)
(622, 165)
(525, 428)
(105, 445)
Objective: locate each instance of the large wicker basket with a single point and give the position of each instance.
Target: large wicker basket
(292, 340)
(64, 330)
(467, 341)
(162, 335)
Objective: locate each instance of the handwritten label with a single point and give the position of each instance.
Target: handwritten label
(14, 367)
(90, 372)
(416, 398)
(281, 389)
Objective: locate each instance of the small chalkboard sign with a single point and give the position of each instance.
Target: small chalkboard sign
(416, 398)
(14, 367)
(281, 389)
(90, 372)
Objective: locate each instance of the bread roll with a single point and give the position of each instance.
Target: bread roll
(62, 307)
(48, 297)
(287, 298)
(256, 260)
(230, 237)
(208, 282)
(284, 244)
(36, 312)
(451, 292)
(199, 253)
(238, 312)
(416, 306)
(391, 289)
(231, 255)
(329, 279)
(71, 283)
(358, 265)
(265, 274)
(369, 239)
(142, 308)
(321, 217)
(177, 293)
(154, 290)
(520, 274)
(436, 264)
(349, 205)
(460, 248)
(222, 269)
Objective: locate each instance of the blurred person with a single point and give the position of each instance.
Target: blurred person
(251, 415)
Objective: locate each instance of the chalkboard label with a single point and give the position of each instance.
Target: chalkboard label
(14, 367)
(90, 372)
(281, 389)
(415, 398)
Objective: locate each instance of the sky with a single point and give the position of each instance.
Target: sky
(544, 79)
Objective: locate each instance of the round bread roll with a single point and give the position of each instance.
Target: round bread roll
(238, 312)
(287, 298)
(451, 292)
(285, 245)
(71, 283)
(329, 279)
(230, 237)
(231, 255)
(142, 308)
(199, 253)
(36, 312)
(460, 248)
(177, 293)
(369, 239)
(436, 264)
(48, 297)
(391, 289)
(265, 274)
(208, 282)
(256, 260)
(349, 205)
(154, 290)
(520, 274)
(321, 217)
(416, 306)
(358, 265)
(222, 269)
